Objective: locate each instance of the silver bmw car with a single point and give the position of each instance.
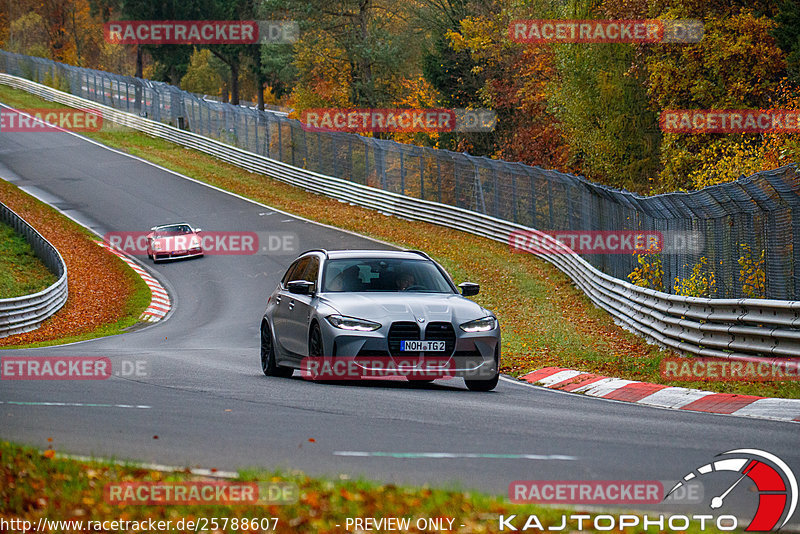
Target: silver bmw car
(378, 305)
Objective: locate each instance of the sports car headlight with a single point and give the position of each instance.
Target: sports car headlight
(484, 324)
(351, 323)
(156, 245)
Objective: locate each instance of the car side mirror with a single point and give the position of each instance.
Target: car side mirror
(468, 289)
(300, 287)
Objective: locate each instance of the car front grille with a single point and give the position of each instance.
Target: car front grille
(402, 331)
(441, 332)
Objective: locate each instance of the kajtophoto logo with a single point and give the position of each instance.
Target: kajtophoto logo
(775, 485)
(772, 484)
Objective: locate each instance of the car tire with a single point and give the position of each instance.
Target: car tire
(315, 346)
(485, 385)
(269, 365)
(482, 385)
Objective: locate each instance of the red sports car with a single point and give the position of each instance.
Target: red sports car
(173, 241)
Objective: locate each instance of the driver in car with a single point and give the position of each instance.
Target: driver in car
(404, 280)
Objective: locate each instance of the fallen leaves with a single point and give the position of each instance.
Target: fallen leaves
(98, 286)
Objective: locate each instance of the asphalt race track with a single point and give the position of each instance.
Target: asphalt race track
(209, 405)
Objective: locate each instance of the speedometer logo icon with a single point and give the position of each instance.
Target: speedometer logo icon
(775, 483)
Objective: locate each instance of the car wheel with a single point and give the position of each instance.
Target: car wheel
(482, 385)
(485, 385)
(315, 348)
(268, 363)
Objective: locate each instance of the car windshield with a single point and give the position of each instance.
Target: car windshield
(383, 274)
(175, 229)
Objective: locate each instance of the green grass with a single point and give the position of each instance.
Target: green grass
(21, 271)
(546, 320)
(37, 485)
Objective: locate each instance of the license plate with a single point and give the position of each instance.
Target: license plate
(422, 346)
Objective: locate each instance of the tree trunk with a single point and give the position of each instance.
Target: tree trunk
(260, 79)
(234, 83)
(139, 62)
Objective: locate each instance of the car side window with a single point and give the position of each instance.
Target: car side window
(295, 272)
(311, 273)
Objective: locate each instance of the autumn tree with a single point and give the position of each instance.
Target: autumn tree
(27, 35)
(356, 38)
(513, 78)
(171, 60)
(737, 65)
(201, 75)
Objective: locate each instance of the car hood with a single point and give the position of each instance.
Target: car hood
(405, 306)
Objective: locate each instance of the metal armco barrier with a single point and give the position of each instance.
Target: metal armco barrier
(727, 328)
(26, 313)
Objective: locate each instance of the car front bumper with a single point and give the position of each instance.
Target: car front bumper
(176, 254)
(469, 355)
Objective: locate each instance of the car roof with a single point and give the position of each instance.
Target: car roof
(374, 254)
(173, 224)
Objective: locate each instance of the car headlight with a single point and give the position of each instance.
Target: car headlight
(156, 245)
(484, 324)
(352, 323)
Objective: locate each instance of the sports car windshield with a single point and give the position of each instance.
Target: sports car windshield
(380, 274)
(173, 230)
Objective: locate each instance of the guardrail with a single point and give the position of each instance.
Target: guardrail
(727, 328)
(26, 313)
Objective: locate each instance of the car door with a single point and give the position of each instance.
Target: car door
(282, 311)
(300, 308)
